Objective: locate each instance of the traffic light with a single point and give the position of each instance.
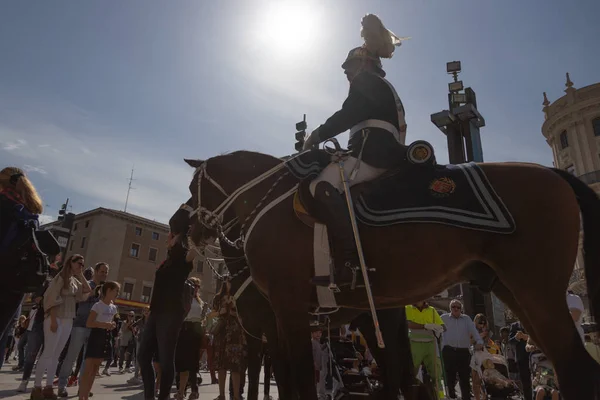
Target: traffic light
(63, 211)
(300, 134)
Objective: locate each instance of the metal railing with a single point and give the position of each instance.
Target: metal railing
(590, 177)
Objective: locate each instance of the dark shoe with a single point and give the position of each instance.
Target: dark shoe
(48, 393)
(36, 394)
(62, 392)
(334, 213)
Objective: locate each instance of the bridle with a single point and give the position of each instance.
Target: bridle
(213, 219)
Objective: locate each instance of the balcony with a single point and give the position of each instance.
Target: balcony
(591, 177)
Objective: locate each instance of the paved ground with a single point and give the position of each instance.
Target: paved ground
(105, 388)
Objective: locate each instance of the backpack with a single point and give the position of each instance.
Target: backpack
(24, 250)
(187, 296)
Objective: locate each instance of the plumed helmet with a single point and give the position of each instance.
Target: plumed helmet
(378, 42)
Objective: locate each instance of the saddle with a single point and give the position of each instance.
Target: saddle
(417, 191)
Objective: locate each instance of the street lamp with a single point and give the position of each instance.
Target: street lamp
(461, 122)
(443, 119)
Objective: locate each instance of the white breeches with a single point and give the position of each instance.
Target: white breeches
(331, 174)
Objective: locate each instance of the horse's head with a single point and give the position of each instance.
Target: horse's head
(217, 183)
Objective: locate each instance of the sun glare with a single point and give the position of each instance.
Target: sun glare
(287, 27)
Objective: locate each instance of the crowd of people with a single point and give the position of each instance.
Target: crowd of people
(74, 331)
(457, 337)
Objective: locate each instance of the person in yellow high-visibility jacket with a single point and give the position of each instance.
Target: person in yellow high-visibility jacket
(423, 321)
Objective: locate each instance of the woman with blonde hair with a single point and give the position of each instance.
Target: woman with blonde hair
(16, 193)
(66, 289)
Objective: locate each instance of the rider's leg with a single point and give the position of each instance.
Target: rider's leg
(327, 189)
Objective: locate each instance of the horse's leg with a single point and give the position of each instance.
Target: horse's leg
(386, 358)
(544, 313)
(280, 368)
(293, 331)
(253, 359)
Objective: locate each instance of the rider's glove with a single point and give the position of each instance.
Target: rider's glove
(312, 140)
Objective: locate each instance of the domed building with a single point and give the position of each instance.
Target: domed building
(572, 130)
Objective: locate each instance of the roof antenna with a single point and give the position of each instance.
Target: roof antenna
(129, 188)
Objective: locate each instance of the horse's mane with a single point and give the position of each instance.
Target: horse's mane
(248, 155)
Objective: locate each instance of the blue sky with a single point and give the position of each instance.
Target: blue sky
(88, 89)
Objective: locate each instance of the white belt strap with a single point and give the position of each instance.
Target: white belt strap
(241, 289)
(376, 123)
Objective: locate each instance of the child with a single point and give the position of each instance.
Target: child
(100, 342)
(543, 378)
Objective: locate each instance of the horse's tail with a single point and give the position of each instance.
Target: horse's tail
(589, 204)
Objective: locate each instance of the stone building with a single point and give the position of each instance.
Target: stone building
(572, 130)
(133, 247)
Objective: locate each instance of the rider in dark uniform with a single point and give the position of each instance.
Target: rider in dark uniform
(375, 116)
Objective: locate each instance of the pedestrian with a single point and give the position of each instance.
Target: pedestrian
(518, 336)
(16, 191)
(101, 323)
(510, 353)
(455, 349)
(80, 333)
(35, 337)
(576, 309)
(127, 345)
(317, 359)
(187, 354)
(229, 341)
(266, 362)
(167, 312)
(211, 320)
(64, 291)
(543, 378)
(23, 338)
(481, 324)
(140, 325)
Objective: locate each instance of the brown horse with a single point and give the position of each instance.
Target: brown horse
(531, 266)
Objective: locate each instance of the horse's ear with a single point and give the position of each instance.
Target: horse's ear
(193, 163)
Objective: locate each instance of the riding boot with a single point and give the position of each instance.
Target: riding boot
(335, 215)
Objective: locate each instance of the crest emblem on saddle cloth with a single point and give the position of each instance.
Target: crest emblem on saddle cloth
(442, 187)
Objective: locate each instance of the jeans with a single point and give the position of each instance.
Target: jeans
(12, 320)
(53, 345)
(79, 338)
(160, 335)
(35, 340)
(21, 348)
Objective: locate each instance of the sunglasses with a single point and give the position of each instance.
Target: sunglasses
(456, 307)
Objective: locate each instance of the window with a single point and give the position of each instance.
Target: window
(564, 140)
(146, 293)
(71, 246)
(82, 242)
(87, 223)
(138, 231)
(571, 169)
(199, 266)
(134, 251)
(153, 254)
(75, 227)
(155, 236)
(596, 125)
(127, 290)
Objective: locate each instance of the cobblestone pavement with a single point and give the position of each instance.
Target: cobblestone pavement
(105, 388)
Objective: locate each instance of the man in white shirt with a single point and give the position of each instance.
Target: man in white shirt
(576, 309)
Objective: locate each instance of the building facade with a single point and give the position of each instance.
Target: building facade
(572, 130)
(134, 247)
